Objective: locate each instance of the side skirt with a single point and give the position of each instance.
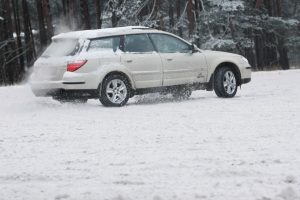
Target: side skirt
(170, 89)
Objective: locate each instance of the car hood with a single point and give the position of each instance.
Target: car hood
(219, 53)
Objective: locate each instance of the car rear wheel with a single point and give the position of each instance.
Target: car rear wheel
(115, 91)
(225, 83)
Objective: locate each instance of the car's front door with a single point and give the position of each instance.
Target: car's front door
(180, 64)
(142, 60)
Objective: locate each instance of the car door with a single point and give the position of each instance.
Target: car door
(180, 64)
(142, 60)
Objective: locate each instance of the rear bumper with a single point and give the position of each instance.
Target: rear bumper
(71, 86)
(63, 93)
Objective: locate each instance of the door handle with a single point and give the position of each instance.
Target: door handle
(169, 59)
(129, 61)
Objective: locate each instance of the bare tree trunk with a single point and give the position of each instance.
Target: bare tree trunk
(48, 17)
(9, 61)
(98, 13)
(265, 42)
(250, 51)
(19, 69)
(249, 54)
(171, 15)
(29, 40)
(269, 6)
(64, 8)
(158, 14)
(198, 9)
(259, 45)
(191, 16)
(42, 29)
(258, 4)
(278, 8)
(270, 49)
(3, 76)
(85, 16)
(233, 35)
(178, 15)
(295, 7)
(114, 19)
(114, 9)
(283, 55)
(282, 49)
(71, 16)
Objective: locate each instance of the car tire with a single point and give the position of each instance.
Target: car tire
(225, 82)
(182, 93)
(115, 91)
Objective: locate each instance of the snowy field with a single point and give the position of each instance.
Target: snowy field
(245, 148)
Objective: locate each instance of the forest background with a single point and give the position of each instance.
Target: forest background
(266, 32)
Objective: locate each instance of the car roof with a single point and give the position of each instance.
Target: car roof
(90, 34)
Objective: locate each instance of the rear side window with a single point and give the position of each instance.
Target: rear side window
(62, 47)
(138, 43)
(110, 44)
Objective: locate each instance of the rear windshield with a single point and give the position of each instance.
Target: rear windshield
(62, 47)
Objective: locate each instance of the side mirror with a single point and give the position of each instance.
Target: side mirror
(193, 48)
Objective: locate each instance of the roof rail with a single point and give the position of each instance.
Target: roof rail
(141, 27)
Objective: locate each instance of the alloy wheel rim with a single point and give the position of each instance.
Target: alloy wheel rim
(229, 82)
(116, 91)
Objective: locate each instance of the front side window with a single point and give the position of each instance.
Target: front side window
(138, 43)
(169, 44)
(110, 44)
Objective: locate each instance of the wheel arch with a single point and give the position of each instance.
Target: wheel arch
(117, 72)
(232, 66)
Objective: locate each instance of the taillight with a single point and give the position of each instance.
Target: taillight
(75, 65)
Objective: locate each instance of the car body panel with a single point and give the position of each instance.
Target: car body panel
(145, 68)
(183, 68)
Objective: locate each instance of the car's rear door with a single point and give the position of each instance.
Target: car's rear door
(142, 60)
(180, 64)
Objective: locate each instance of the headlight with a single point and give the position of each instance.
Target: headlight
(244, 59)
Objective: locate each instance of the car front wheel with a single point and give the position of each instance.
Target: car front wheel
(225, 83)
(115, 91)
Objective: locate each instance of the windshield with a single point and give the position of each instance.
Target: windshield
(62, 47)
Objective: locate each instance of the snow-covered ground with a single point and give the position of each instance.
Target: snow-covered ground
(245, 148)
